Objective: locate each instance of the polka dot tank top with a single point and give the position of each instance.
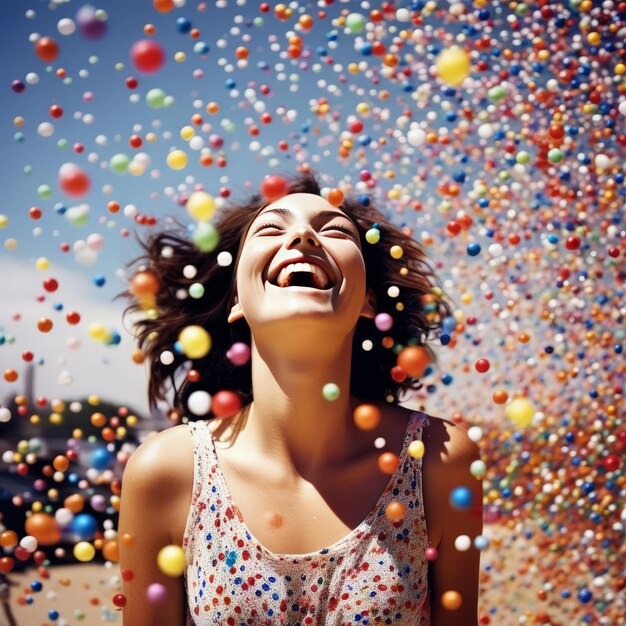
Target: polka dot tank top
(377, 574)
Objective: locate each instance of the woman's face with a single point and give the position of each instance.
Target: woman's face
(301, 228)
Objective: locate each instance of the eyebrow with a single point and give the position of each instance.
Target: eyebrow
(321, 214)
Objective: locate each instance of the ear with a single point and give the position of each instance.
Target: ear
(369, 304)
(236, 312)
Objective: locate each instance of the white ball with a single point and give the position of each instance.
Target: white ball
(29, 543)
(66, 26)
(199, 402)
(189, 271)
(462, 543)
(5, 414)
(416, 137)
(475, 433)
(45, 129)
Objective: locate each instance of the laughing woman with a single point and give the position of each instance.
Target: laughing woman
(318, 499)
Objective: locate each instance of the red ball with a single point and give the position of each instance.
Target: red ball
(73, 181)
(482, 365)
(34, 213)
(612, 463)
(148, 56)
(398, 374)
(119, 599)
(47, 49)
(132, 82)
(225, 403)
(50, 285)
(73, 318)
(572, 243)
(56, 111)
(273, 187)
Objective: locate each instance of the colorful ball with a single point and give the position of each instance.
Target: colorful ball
(453, 65)
(43, 528)
(171, 561)
(521, 411)
(195, 342)
(148, 56)
(73, 181)
(201, 206)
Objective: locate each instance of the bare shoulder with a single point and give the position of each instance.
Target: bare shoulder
(164, 460)
(448, 443)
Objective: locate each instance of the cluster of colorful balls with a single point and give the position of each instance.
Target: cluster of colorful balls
(492, 133)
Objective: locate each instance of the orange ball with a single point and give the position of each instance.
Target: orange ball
(451, 600)
(395, 511)
(10, 376)
(6, 564)
(242, 52)
(98, 420)
(163, 6)
(388, 462)
(335, 197)
(75, 503)
(366, 417)
(8, 539)
(110, 551)
(413, 360)
(44, 528)
(60, 463)
(500, 396)
(47, 49)
(144, 284)
(138, 356)
(44, 325)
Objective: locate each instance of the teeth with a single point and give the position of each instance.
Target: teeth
(319, 276)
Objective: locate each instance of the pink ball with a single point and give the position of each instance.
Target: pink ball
(156, 593)
(239, 353)
(148, 56)
(431, 554)
(383, 321)
(73, 181)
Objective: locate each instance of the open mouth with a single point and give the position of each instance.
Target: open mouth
(302, 275)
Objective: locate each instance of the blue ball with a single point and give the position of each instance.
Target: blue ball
(101, 459)
(84, 525)
(183, 24)
(99, 280)
(584, 595)
(36, 585)
(53, 615)
(461, 498)
(473, 249)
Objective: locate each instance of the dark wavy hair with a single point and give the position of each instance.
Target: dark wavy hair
(416, 322)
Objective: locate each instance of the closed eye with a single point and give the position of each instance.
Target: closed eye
(343, 229)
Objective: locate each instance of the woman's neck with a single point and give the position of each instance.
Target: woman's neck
(290, 421)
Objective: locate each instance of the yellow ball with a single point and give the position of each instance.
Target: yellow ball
(521, 411)
(195, 341)
(396, 252)
(4, 221)
(171, 561)
(453, 65)
(177, 159)
(84, 551)
(97, 332)
(93, 400)
(187, 132)
(201, 206)
(417, 449)
(179, 57)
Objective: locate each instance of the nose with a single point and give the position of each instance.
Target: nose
(303, 234)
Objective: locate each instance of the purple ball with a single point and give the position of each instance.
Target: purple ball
(156, 593)
(239, 353)
(383, 321)
(18, 86)
(88, 23)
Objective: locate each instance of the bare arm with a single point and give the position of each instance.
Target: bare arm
(454, 570)
(154, 487)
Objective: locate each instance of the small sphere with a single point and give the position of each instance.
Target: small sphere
(331, 391)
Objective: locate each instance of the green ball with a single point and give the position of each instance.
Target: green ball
(495, 94)
(330, 391)
(205, 237)
(258, 22)
(155, 97)
(28, 169)
(119, 163)
(44, 191)
(355, 23)
(478, 468)
(522, 157)
(168, 102)
(19, 137)
(372, 235)
(555, 155)
(196, 291)
(63, 143)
